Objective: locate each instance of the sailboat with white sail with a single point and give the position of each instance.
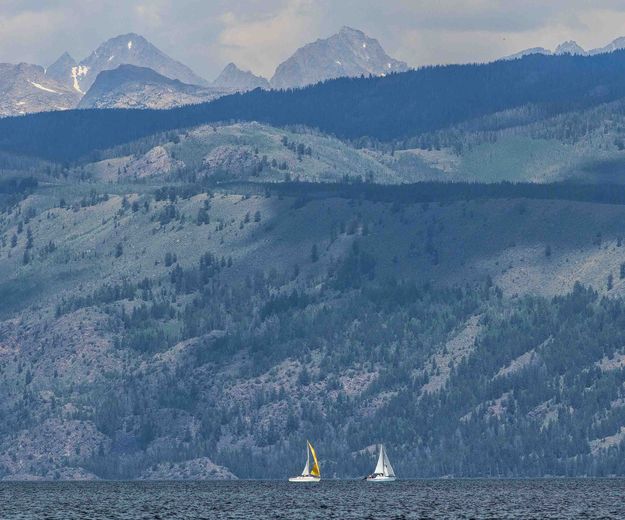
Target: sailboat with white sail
(309, 474)
(383, 470)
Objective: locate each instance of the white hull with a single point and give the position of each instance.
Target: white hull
(305, 478)
(381, 479)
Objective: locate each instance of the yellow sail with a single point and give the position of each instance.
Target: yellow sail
(315, 469)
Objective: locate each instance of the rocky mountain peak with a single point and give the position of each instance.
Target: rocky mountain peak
(61, 70)
(130, 49)
(570, 47)
(350, 52)
(232, 77)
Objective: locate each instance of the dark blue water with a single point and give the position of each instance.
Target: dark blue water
(526, 499)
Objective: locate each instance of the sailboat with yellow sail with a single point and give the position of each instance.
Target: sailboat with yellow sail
(309, 474)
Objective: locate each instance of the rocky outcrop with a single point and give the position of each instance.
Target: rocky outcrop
(156, 162)
(233, 160)
(53, 449)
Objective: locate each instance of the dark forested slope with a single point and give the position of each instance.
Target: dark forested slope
(393, 107)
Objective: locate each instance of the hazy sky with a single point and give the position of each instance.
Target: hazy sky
(258, 34)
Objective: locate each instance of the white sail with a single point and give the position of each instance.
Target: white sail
(307, 467)
(388, 469)
(379, 467)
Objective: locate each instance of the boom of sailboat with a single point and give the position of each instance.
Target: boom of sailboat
(383, 471)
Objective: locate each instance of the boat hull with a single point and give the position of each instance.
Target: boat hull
(381, 479)
(305, 479)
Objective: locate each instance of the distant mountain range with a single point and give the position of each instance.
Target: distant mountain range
(573, 48)
(63, 84)
(155, 80)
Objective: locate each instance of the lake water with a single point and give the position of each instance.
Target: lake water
(432, 499)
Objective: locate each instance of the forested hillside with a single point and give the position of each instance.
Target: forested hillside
(395, 107)
(187, 306)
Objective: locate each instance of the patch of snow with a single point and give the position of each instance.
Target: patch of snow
(364, 45)
(41, 87)
(130, 45)
(338, 62)
(111, 58)
(388, 65)
(20, 103)
(81, 70)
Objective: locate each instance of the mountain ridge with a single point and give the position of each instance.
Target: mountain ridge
(129, 86)
(573, 48)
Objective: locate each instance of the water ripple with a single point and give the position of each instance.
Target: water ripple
(417, 499)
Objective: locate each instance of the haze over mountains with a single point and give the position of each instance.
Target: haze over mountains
(348, 53)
